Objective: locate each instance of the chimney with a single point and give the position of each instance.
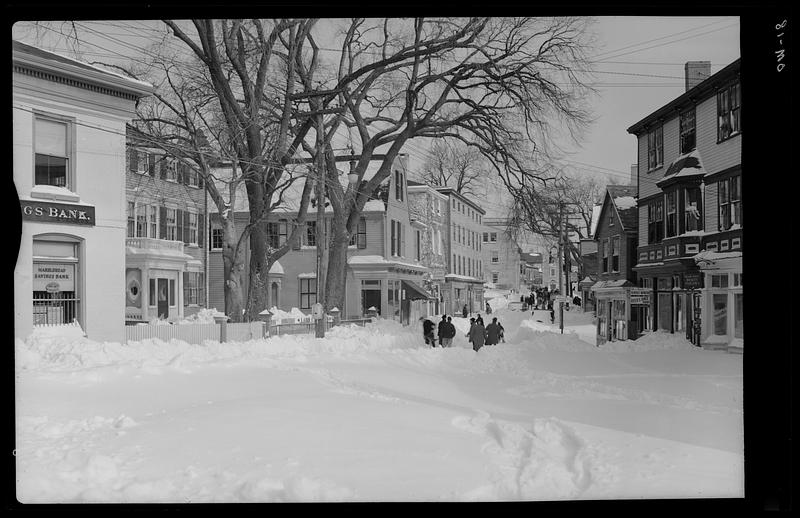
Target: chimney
(696, 72)
(402, 158)
(634, 174)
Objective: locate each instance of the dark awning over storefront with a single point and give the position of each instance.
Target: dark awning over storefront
(415, 292)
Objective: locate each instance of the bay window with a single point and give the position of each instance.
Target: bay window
(672, 215)
(691, 211)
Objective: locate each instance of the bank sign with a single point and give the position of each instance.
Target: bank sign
(69, 213)
(53, 277)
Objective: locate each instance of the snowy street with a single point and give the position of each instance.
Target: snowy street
(371, 414)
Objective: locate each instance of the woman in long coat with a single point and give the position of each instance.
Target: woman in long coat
(477, 335)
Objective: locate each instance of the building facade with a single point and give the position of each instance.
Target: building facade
(383, 274)
(428, 208)
(690, 210)
(621, 306)
(465, 267)
(500, 255)
(69, 123)
(165, 253)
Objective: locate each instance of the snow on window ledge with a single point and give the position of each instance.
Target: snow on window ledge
(52, 192)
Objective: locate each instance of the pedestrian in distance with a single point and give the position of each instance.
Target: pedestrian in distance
(477, 335)
(488, 309)
(471, 326)
(448, 333)
(493, 333)
(427, 333)
(440, 329)
(479, 318)
(464, 312)
(502, 332)
(552, 314)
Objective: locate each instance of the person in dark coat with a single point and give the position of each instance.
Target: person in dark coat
(477, 335)
(471, 325)
(441, 328)
(464, 311)
(502, 332)
(427, 332)
(493, 333)
(448, 333)
(488, 309)
(479, 318)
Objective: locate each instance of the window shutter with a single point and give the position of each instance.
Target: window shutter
(162, 222)
(133, 160)
(298, 239)
(179, 224)
(186, 227)
(393, 239)
(402, 251)
(163, 165)
(201, 229)
(151, 164)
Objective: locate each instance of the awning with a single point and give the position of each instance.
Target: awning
(415, 292)
(621, 283)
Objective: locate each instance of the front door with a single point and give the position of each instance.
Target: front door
(370, 298)
(162, 298)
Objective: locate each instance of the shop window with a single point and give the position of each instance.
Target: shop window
(55, 295)
(729, 112)
(687, 131)
(720, 313)
(52, 152)
(655, 148)
(308, 292)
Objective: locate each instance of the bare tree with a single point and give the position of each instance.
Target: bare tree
(494, 84)
(457, 166)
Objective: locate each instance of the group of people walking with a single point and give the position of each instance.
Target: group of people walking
(478, 335)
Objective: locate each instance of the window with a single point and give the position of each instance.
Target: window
(359, 237)
(56, 263)
(687, 131)
(604, 255)
(193, 283)
(192, 227)
(730, 202)
(485, 237)
(308, 292)
(172, 226)
(141, 221)
(131, 219)
(615, 254)
(51, 163)
(691, 211)
(720, 313)
(672, 221)
(738, 317)
(495, 277)
(216, 239)
(152, 292)
(719, 281)
(170, 171)
(495, 257)
(398, 185)
(493, 237)
(172, 300)
(655, 148)
(311, 233)
(729, 112)
(152, 221)
(655, 221)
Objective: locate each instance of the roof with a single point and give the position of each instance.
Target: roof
(624, 198)
(620, 283)
(686, 165)
(32, 57)
(701, 91)
(450, 190)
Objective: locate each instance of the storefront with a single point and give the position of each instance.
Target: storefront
(622, 310)
(394, 289)
(460, 291)
(588, 302)
(722, 299)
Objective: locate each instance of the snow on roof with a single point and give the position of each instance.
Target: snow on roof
(374, 205)
(276, 268)
(307, 275)
(706, 255)
(377, 259)
(461, 277)
(51, 192)
(595, 218)
(625, 202)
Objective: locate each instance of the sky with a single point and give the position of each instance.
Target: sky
(639, 65)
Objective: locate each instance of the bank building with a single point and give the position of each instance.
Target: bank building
(69, 121)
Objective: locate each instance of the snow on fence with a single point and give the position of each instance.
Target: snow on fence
(196, 334)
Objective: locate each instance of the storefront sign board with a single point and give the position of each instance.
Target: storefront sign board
(68, 213)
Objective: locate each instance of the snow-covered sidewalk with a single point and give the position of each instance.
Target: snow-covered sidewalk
(371, 414)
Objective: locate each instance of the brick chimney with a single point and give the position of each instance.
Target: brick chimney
(696, 72)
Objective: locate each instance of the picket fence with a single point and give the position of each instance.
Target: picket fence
(197, 334)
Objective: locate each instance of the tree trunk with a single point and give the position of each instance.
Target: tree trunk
(337, 265)
(258, 288)
(233, 267)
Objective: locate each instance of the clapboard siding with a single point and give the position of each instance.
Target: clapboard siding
(715, 156)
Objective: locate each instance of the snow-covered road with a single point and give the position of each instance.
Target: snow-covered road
(370, 414)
